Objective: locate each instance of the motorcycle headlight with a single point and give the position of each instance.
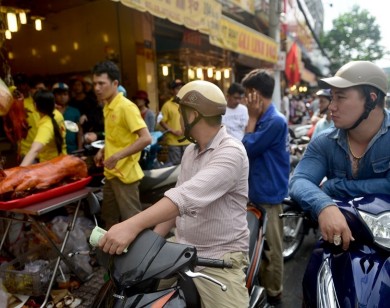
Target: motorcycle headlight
(379, 227)
(326, 292)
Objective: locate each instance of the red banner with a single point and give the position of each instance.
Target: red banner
(292, 66)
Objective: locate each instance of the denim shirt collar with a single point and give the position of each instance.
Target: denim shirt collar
(341, 134)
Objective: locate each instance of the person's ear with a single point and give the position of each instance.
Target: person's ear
(373, 96)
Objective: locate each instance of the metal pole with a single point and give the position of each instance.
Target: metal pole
(274, 32)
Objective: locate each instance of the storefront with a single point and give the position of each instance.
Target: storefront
(153, 42)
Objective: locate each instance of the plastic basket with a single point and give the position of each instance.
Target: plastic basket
(29, 274)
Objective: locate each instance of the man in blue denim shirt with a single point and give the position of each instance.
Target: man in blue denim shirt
(267, 145)
(354, 156)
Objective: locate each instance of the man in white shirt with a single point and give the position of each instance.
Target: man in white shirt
(236, 116)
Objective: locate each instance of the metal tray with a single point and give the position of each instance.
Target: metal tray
(44, 195)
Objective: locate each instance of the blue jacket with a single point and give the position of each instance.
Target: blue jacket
(269, 158)
(328, 156)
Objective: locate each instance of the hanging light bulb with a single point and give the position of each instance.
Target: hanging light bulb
(165, 70)
(38, 24)
(191, 73)
(210, 72)
(8, 34)
(218, 75)
(23, 18)
(12, 22)
(199, 73)
(226, 73)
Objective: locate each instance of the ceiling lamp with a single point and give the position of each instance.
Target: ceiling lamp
(8, 34)
(226, 73)
(12, 22)
(199, 73)
(38, 24)
(210, 72)
(218, 75)
(165, 70)
(23, 18)
(191, 73)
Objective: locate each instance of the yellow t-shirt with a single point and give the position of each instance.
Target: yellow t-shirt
(45, 135)
(122, 119)
(171, 116)
(32, 121)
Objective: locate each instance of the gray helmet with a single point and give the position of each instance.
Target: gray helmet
(357, 73)
(324, 92)
(205, 97)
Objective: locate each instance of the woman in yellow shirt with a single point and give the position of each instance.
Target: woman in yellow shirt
(49, 141)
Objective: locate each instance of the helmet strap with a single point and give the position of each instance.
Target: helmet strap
(368, 107)
(188, 127)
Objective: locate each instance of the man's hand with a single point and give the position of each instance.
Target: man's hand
(332, 223)
(177, 133)
(99, 158)
(255, 105)
(119, 237)
(111, 162)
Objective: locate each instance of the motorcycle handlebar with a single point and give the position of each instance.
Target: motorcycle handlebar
(213, 263)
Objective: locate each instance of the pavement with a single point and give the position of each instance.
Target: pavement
(88, 290)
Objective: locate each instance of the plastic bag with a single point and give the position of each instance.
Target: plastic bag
(6, 98)
(77, 240)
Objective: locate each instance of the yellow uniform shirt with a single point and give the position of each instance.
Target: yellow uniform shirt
(32, 121)
(45, 135)
(122, 119)
(171, 116)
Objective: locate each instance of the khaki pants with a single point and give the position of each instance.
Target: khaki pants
(211, 295)
(271, 270)
(120, 201)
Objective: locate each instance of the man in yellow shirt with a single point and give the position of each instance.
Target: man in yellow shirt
(171, 123)
(126, 135)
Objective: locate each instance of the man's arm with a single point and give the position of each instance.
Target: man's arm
(121, 235)
(354, 188)
(305, 190)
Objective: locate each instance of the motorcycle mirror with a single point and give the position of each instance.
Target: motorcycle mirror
(71, 126)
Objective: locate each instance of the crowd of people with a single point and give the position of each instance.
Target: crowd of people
(233, 149)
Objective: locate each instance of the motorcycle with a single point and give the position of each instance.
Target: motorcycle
(135, 275)
(297, 148)
(296, 225)
(158, 177)
(360, 276)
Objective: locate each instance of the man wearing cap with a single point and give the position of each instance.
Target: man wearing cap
(353, 156)
(74, 140)
(325, 122)
(171, 123)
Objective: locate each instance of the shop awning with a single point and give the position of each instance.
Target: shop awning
(236, 37)
(200, 15)
(206, 16)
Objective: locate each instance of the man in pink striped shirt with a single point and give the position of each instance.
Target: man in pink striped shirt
(208, 204)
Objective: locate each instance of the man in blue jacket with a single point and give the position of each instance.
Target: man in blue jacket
(267, 144)
(353, 156)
